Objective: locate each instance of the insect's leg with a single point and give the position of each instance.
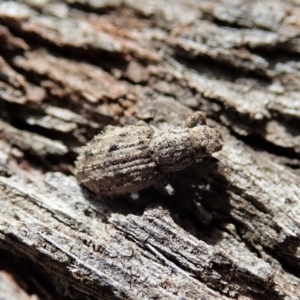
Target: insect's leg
(164, 187)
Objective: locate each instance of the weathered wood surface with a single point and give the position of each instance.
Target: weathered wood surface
(226, 228)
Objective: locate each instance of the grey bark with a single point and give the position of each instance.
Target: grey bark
(225, 228)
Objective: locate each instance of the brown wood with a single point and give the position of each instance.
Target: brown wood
(225, 228)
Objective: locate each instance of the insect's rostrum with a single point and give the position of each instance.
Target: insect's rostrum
(127, 159)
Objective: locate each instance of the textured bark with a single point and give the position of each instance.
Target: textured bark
(226, 227)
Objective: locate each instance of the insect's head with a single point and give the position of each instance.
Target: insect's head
(196, 119)
(205, 141)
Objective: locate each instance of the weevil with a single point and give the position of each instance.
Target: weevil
(127, 159)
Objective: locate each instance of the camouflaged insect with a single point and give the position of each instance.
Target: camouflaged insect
(127, 159)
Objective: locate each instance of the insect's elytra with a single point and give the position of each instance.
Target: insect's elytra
(127, 159)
